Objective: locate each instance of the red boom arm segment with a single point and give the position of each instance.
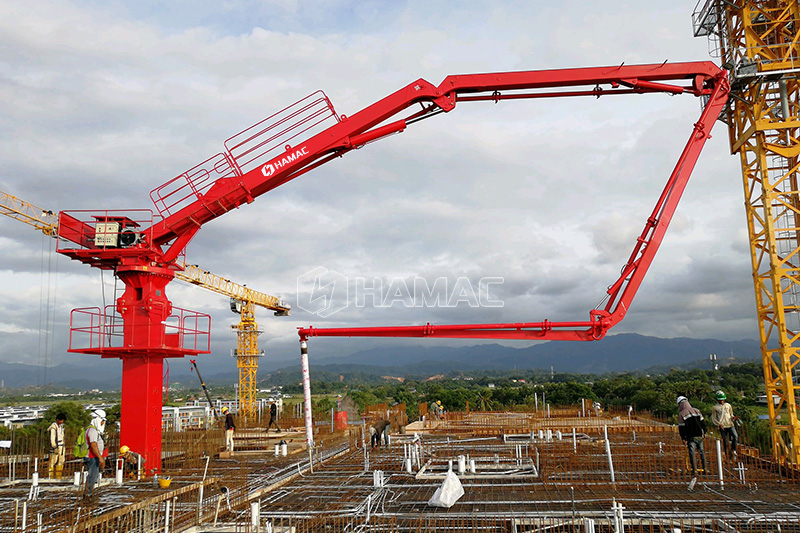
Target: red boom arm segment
(254, 164)
(707, 80)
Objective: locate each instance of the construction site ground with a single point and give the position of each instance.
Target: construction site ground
(519, 472)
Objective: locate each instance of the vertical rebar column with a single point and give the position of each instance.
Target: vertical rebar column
(719, 464)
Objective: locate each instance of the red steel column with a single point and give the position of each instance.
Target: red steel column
(144, 308)
(141, 407)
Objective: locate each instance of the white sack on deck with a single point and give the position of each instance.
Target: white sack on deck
(448, 493)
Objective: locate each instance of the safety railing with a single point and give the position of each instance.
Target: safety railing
(262, 141)
(99, 231)
(246, 150)
(185, 188)
(93, 330)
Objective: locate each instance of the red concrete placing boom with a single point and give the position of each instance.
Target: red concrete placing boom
(143, 249)
(704, 79)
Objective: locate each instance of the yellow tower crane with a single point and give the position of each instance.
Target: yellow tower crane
(243, 299)
(759, 44)
(243, 302)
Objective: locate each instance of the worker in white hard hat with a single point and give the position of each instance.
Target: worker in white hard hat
(692, 429)
(230, 427)
(96, 461)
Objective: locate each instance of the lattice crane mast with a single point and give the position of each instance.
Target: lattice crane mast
(243, 299)
(142, 248)
(759, 43)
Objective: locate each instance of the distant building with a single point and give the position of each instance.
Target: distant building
(763, 400)
(17, 417)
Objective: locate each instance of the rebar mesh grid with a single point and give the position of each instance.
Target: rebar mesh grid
(557, 473)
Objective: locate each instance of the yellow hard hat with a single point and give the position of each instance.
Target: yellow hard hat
(124, 449)
(224, 409)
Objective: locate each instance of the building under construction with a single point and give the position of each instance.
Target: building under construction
(563, 469)
(559, 469)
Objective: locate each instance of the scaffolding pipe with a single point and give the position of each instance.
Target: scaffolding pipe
(118, 473)
(719, 464)
(608, 453)
(200, 504)
(307, 402)
(307, 395)
(255, 516)
(216, 511)
(619, 520)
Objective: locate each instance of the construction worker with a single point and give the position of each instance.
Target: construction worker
(56, 432)
(96, 461)
(273, 416)
(692, 429)
(380, 427)
(132, 461)
(437, 409)
(230, 427)
(722, 416)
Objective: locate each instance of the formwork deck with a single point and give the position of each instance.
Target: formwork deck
(537, 474)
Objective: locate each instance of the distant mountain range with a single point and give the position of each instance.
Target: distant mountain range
(615, 353)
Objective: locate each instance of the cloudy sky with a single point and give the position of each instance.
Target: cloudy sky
(102, 101)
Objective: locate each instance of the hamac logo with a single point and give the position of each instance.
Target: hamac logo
(290, 157)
